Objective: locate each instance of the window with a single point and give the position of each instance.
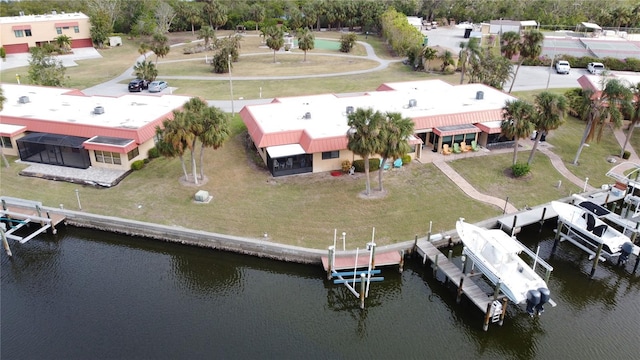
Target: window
(18, 33)
(76, 29)
(133, 153)
(108, 157)
(59, 30)
(27, 32)
(6, 142)
(330, 155)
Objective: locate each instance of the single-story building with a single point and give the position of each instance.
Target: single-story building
(19, 33)
(503, 26)
(64, 127)
(594, 82)
(309, 133)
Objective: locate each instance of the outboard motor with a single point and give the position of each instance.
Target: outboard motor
(533, 299)
(545, 295)
(625, 250)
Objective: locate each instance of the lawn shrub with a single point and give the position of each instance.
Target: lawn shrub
(520, 169)
(153, 153)
(137, 165)
(406, 159)
(374, 164)
(626, 154)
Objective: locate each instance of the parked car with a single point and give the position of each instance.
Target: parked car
(563, 67)
(595, 68)
(138, 85)
(157, 86)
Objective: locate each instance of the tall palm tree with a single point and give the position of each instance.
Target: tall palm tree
(530, 48)
(364, 136)
(275, 39)
(206, 33)
(635, 116)
(550, 112)
(395, 134)
(145, 70)
(468, 50)
(306, 41)
(173, 139)
(510, 44)
(517, 123)
(600, 109)
(215, 130)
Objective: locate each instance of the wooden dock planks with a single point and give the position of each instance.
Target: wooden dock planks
(346, 262)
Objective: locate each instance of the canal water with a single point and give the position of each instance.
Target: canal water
(92, 295)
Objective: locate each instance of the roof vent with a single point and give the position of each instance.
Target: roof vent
(98, 110)
(479, 95)
(413, 103)
(349, 110)
(53, 12)
(23, 99)
(307, 115)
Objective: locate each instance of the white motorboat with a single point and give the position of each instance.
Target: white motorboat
(495, 254)
(591, 230)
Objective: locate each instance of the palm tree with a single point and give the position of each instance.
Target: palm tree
(428, 54)
(447, 59)
(275, 39)
(510, 44)
(257, 14)
(395, 132)
(550, 111)
(364, 136)
(530, 48)
(143, 49)
(145, 70)
(206, 33)
(635, 116)
(306, 41)
(517, 123)
(215, 130)
(160, 45)
(173, 139)
(599, 109)
(468, 50)
(63, 42)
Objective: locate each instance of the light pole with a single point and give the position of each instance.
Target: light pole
(230, 84)
(78, 197)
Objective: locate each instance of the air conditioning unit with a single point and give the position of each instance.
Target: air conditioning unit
(98, 110)
(349, 110)
(413, 103)
(202, 196)
(479, 95)
(23, 99)
(307, 115)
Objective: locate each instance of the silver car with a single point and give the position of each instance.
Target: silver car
(157, 86)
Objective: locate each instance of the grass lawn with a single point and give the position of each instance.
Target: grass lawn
(304, 210)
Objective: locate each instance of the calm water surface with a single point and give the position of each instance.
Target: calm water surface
(92, 295)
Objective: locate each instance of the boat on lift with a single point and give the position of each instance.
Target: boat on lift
(496, 255)
(591, 230)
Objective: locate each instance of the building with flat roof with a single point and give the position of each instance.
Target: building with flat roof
(595, 82)
(65, 127)
(309, 133)
(19, 33)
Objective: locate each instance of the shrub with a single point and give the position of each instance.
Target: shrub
(153, 153)
(633, 64)
(347, 41)
(626, 154)
(137, 165)
(374, 165)
(520, 169)
(406, 159)
(3, 52)
(614, 64)
(250, 25)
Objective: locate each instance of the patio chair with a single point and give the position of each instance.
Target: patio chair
(276, 165)
(456, 148)
(397, 163)
(474, 146)
(446, 150)
(464, 147)
(289, 163)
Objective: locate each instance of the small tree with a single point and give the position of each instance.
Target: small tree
(145, 70)
(306, 41)
(45, 69)
(207, 33)
(347, 41)
(516, 123)
(275, 39)
(447, 59)
(160, 45)
(63, 42)
(429, 54)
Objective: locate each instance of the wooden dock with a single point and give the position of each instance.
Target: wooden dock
(485, 302)
(18, 213)
(348, 261)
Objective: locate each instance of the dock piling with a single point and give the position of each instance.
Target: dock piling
(505, 302)
(487, 317)
(635, 267)
(331, 259)
(596, 259)
(513, 226)
(435, 266)
(459, 294)
(5, 243)
(362, 287)
(450, 256)
(496, 292)
(401, 266)
(544, 212)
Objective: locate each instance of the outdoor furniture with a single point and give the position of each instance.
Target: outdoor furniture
(464, 147)
(397, 163)
(446, 150)
(290, 163)
(276, 165)
(456, 148)
(474, 146)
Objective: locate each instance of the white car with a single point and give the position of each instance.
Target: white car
(563, 67)
(595, 68)
(157, 86)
